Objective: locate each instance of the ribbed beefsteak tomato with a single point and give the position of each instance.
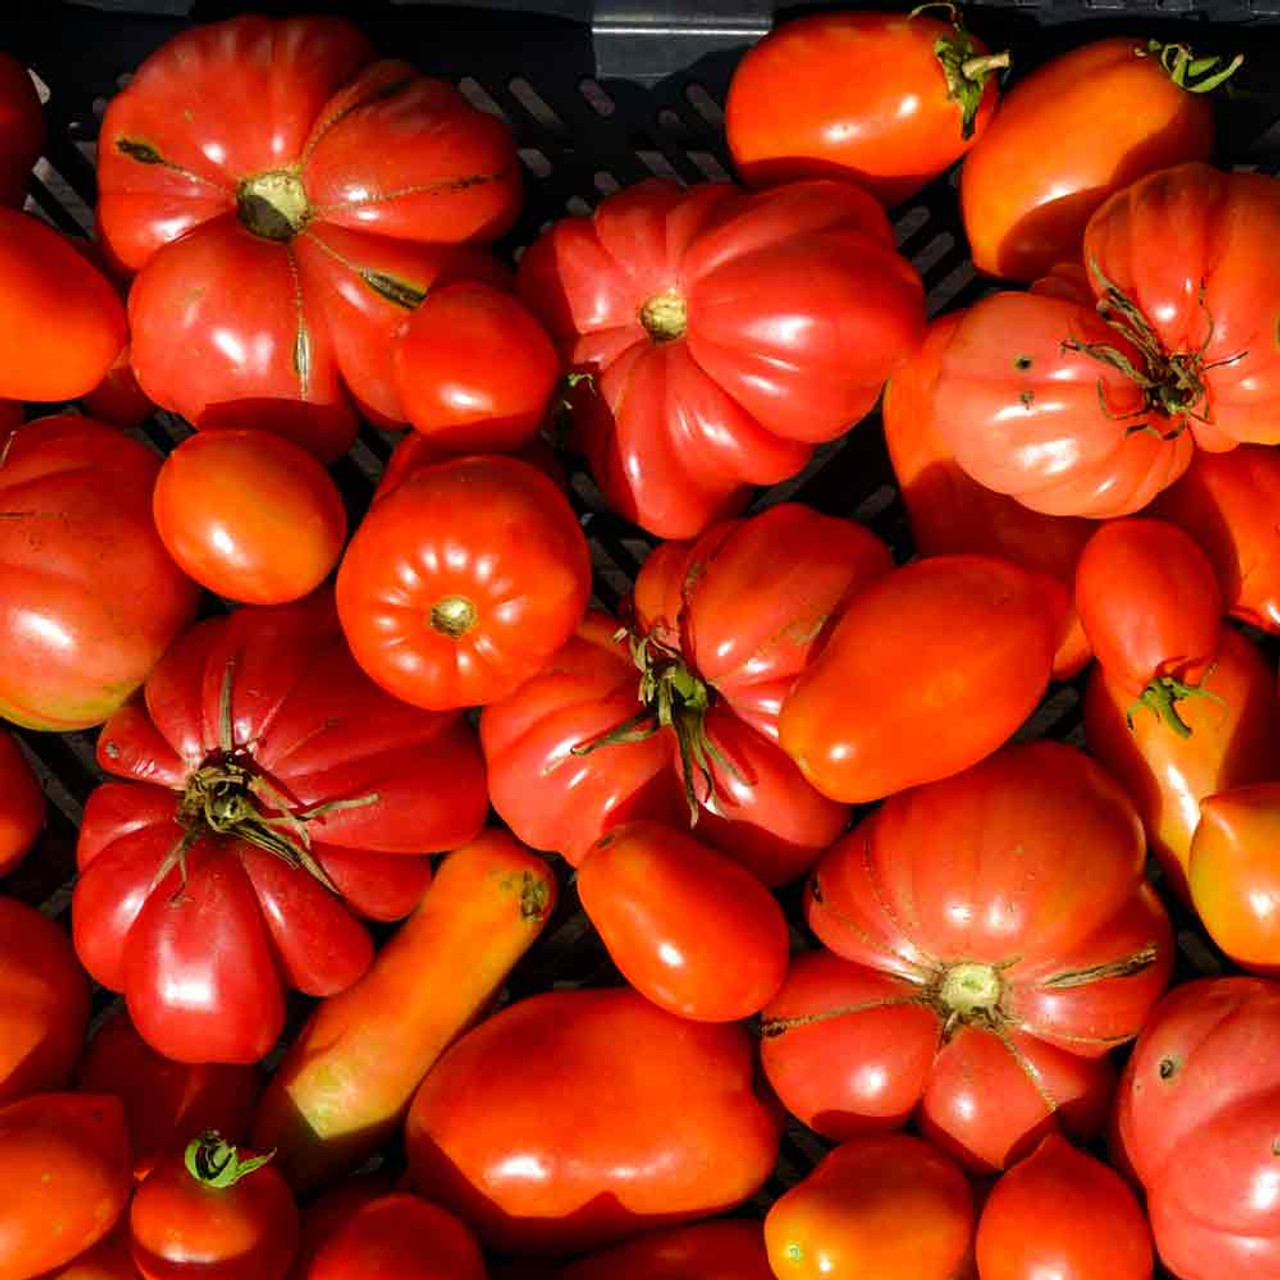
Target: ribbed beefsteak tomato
(275, 795)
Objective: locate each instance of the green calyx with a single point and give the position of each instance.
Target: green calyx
(966, 70)
(1195, 75)
(214, 1162)
(1161, 697)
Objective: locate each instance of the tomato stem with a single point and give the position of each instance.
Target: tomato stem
(1195, 75)
(1163, 694)
(965, 69)
(214, 1162)
(665, 316)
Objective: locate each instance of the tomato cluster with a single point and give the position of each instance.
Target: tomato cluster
(347, 818)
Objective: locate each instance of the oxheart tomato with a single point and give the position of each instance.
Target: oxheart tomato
(890, 1206)
(577, 1118)
(727, 335)
(285, 199)
(22, 804)
(1198, 1111)
(89, 599)
(21, 130)
(930, 669)
(462, 581)
(995, 939)
(721, 629)
(275, 796)
(721, 1250)
(888, 100)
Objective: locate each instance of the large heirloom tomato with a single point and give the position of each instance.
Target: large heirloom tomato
(21, 130)
(274, 796)
(994, 938)
(22, 804)
(276, 189)
(727, 334)
(89, 599)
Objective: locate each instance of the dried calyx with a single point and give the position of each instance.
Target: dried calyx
(273, 205)
(966, 70)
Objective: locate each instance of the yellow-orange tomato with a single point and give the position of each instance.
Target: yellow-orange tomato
(250, 515)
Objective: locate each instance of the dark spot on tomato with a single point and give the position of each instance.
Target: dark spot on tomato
(815, 889)
(1275, 1146)
(1168, 1068)
(1028, 398)
(1022, 363)
(113, 750)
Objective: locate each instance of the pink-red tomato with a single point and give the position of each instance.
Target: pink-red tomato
(21, 130)
(721, 1250)
(22, 804)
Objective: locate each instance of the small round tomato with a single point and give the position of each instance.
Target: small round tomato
(22, 805)
(21, 130)
(211, 1212)
(250, 515)
(891, 1207)
(463, 581)
(689, 928)
(1062, 1213)
(474, 370)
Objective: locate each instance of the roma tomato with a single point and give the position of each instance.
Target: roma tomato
(688, 927)
(889, 100)
(998, 939)
(64, 1168)
(1234, 741)
(474, 370)
(274, 797)
(891, 1207)
(722, 1250)
(250, 515)
(278, 253)
(1152, 610)
(727, 335)
(929, 671)
(1198, 1111)
(45, 1005)
(22, 804)
(1062, 1213)
(211, 1212)
(21, 130)
(577, 1118)
(462, 582)
(89, 599)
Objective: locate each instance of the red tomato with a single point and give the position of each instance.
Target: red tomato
(1234, 741)
(723, 1250)
(463, 581)
(111, 1259)
(64, 1171)
(1152, 610)
(45, 1005)
(1063, 1214)
(21, 130)
(997, 940)
(211, 1212)
(889, 100)
(890, 1207)
(89, 599)
(22, 805)
(166, 1102)
(474, 370)
(577, 1118)
(727, 335)
(282, 797)
(250, 515)
(118, 399)
(262, 293)
(688, 927)
(1199, 1110)
(945, 659)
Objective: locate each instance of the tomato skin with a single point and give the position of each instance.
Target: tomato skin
(891, 1206)
(64, 1158)
(22, 805)
(110, 1259)
(689, 928)
(1060, 1212)
(249, 515)
(614, 1116)
(118, 399)
(720, 1250)
(961, 644)
(21, 130)
(416, 450)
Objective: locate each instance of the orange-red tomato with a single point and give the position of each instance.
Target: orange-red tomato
(890, 1207)
(22, 805)
(722, 1250)
(250, 515)
(21, 130)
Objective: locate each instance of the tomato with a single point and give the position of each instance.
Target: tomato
(891, 1207)
(944, 660)
(250, 515)
(997, 939)
(721, 1250)
(951, 513)
(212, 1212)
(21, 130)
(576, 1118)
(1062, 1213)
(1234, 741)
(1227, 503)
(1199, 1106)
(688, 927)
(165, 1103)
(463, 581)
(274, 797)
(279, 250)
(22, 805)
(44, 1003)
(118, 399)
(111, 1259)
(722, 628)
(64, 1167)
(1152, 610)
(727, 335)
(889, 100)
(474, 370)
